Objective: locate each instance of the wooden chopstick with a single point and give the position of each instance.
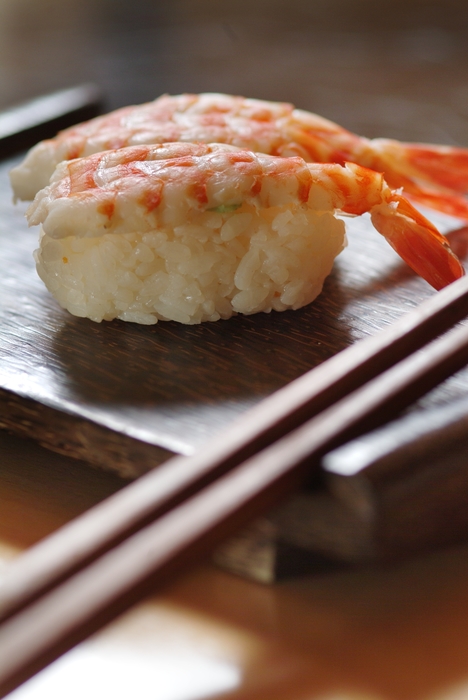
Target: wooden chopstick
(110, 522)
(25, 124)
(94, 596)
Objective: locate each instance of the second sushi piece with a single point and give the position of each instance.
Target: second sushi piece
(199, 232)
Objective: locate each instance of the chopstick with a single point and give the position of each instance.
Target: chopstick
(345, 397)
(25, 124)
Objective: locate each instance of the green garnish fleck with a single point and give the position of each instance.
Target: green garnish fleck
(225, 208)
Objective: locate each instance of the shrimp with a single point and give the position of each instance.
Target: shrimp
(198, 232)
(416, 240)
(435, 176)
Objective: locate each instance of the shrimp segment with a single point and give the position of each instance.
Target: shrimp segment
(435, 176)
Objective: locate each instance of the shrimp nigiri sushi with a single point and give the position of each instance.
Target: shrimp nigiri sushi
(198, 232)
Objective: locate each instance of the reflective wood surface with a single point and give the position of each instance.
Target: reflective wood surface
(381, 69)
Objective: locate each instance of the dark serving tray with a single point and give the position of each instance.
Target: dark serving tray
(128, 395)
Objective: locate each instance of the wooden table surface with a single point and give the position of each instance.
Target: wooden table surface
(382, 69)
(394, 633)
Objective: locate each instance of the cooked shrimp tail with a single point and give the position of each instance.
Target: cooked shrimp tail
(435, 176)
(416, 240)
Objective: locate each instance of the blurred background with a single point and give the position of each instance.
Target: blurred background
(381, 68)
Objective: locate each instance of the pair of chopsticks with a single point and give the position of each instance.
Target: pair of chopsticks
(96, 567)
